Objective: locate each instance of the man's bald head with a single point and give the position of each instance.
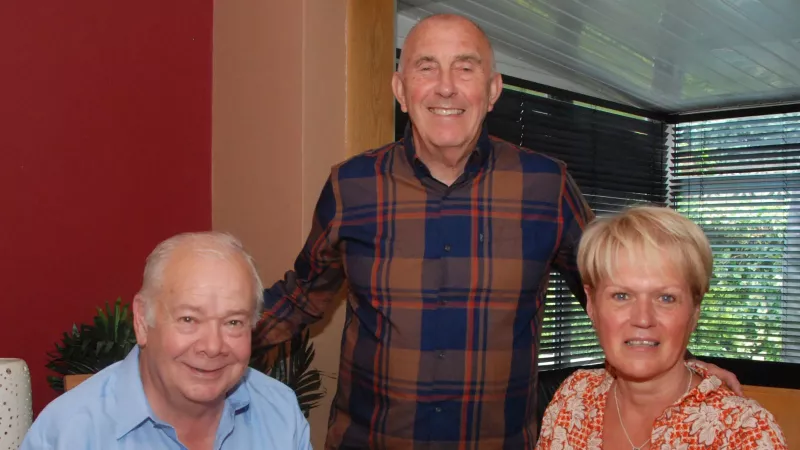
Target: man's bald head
(447, 84)
(482, 40)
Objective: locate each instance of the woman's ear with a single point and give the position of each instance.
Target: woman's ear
(589, 301)
(695, 316)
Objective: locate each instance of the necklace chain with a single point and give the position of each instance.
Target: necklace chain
(619, 413)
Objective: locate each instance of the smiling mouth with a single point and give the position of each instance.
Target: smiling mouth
(446, 111)
(205, 371)
(642, 343)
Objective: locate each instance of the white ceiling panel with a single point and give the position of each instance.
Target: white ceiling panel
(664, 55)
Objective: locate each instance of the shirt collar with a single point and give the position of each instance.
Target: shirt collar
(481, 153)
(133, 407)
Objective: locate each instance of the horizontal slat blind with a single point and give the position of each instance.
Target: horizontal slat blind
(740, 180)
(616, 159)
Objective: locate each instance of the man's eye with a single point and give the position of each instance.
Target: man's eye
(186, 319)
(235, 323)
(666, 298)
(620, 296)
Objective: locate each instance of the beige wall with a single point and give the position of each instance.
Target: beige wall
(278, 127)
(297, 87)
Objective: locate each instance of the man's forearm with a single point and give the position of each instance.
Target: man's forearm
(289, 310)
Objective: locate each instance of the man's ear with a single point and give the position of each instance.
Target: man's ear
(140, 326)
(399, 91)
(495, 89)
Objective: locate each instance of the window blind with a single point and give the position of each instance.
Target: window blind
(616, 159)
(740, 180)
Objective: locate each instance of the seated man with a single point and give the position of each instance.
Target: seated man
(187, 384)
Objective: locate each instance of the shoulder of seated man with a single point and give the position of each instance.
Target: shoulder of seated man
(73, 415)
(265, 389)
(90, 397)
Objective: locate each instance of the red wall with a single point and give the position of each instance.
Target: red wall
(105, 149)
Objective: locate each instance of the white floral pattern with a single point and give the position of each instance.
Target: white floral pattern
(595, 442)
(709, 416)
(705, 422)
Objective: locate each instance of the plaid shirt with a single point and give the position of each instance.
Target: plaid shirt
(445, 293)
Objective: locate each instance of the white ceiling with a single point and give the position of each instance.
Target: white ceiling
(662, 55)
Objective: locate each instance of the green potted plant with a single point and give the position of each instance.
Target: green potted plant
(89, 348)
(290, 363)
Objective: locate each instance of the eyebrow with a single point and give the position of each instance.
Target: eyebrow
(464, 57)
(191, 308)
(423, 59)
(228, 313)
(469, 57)
(236, 312)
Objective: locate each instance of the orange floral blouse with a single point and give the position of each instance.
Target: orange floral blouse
(710, 416)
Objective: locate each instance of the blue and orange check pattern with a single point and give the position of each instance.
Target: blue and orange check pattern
(445, 293)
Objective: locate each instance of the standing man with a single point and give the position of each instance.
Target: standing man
(446, 239)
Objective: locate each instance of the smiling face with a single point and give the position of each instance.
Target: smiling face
(446, 83)
(643, 314)
(199, 346)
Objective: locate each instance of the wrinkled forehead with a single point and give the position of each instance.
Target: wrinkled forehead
(212, 273)
(446, 40)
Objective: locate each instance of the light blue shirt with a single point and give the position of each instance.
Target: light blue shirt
(109, 411)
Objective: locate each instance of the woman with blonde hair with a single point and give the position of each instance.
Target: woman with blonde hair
(645, 272)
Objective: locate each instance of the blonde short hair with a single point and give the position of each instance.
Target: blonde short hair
(654, 234)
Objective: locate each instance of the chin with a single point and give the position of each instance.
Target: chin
(444, 137)
(448, 143)
(204, 394)
(639, 370)
(643, 372)
(636, 373)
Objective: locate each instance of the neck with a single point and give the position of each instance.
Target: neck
(654, 396)
(187, 417)
(446, 164)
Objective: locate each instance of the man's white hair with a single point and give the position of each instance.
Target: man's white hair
(208, 243)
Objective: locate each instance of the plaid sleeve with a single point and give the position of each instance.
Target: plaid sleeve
(305, 292)
(575, 215)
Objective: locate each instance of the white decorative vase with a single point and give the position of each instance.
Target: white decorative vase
(16, 411)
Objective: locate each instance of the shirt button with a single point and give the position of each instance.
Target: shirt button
(438, 409)
(447, 248)
(441, 355)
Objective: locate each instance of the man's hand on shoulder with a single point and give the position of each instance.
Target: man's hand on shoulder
(727, 377)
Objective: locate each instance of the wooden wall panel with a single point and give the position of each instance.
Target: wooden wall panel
(370, 64)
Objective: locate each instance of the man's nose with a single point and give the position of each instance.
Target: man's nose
(211, 342)
(445, 86)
